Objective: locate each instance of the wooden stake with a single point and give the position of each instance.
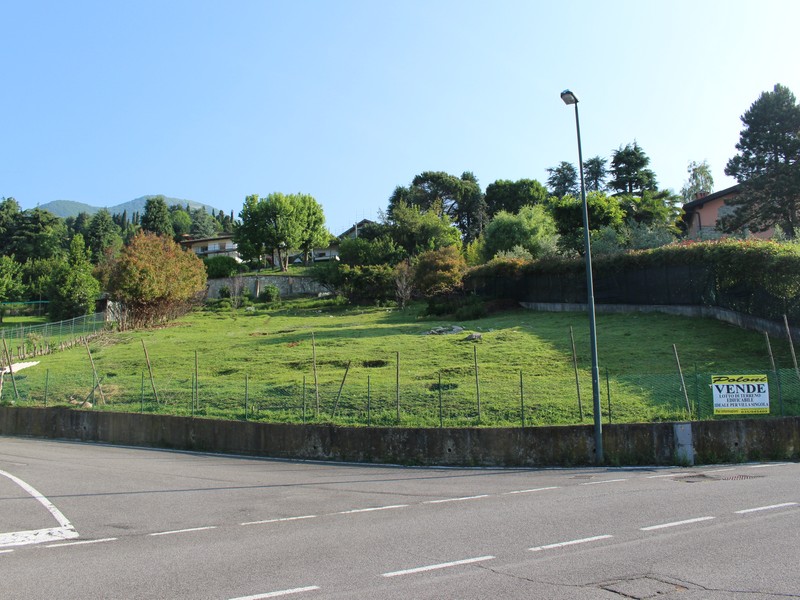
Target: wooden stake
(683, 383)
(11, 370)
(769, 351)
(575, 366)
(196, 382)
(339, 395)
(316, 381)
(477, 380)
(150, 370)
(94, 371)
(791, 345)
(397, 386)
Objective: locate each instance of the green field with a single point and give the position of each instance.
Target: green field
(259, 359)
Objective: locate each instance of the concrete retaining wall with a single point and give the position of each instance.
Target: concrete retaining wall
(631, 444)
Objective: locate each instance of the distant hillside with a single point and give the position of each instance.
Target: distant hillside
(68, 208)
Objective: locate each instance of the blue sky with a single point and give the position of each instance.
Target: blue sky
(103, 102)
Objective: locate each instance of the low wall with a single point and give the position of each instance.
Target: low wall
(775, 329)
(289, 285)
(624, 444)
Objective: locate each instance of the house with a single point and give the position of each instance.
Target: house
(703, 214)
(221, 245)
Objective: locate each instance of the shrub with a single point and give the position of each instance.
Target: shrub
(219, 267)
(270, 293)
(463, 308)
(372, 283)
(154, 280)
(439, 272)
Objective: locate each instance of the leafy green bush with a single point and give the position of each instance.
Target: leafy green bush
(439, 272)
(369, 283)
(270, 293)
(219, 267)
(463, 308)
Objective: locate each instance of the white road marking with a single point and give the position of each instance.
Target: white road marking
(310, 588)
(604, 481)
(768, 465)
(668, 475)
(771, 507)
(533, 490)
(719, 470)
(571, 543)
(364, 510)
(184, 530)
(455, 563)
(281, 520)
(5, 551)
(676, 523)
(456, 499)
(81, 543)
(37, 536)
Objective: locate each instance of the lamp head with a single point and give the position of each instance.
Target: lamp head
(568, 97)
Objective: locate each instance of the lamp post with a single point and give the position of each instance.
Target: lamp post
(569, 98)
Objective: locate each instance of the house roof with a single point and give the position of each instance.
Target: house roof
(360, 224)
(735, 189)
(224, 236)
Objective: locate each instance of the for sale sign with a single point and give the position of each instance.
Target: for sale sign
(740, 394)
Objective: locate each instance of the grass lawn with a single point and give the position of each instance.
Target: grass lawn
(260, 359)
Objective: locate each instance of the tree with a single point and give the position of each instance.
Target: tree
(532, 228)
(511, 196)
(439, 272)
(75, 290)
(38, 274)
(156, 217)
(563, 180)
(417, 230)
(268, 225)
(364, 251)
(311, 219)
(37, 233)
(78, 224)
(629, 171)
(10, 280)
(181, 222)
(460, 199)
(202, 224)
(595, 173)
(568, 215)
(768, 165)
(659, 209)
(155, 280)
(102, 233)
(9, 214)
(700, 181)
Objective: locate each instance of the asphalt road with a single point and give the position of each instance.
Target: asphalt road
(91, 521)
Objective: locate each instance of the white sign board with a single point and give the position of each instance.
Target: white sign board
(740, 394)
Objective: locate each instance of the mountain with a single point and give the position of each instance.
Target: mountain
(68, 208)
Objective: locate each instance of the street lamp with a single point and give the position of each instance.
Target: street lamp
(569, 98)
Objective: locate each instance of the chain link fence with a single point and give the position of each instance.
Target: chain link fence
(453, 397)
(31, 340)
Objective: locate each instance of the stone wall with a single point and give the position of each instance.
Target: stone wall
(288, 285)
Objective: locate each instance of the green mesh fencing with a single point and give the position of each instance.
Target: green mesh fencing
(451, 397)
